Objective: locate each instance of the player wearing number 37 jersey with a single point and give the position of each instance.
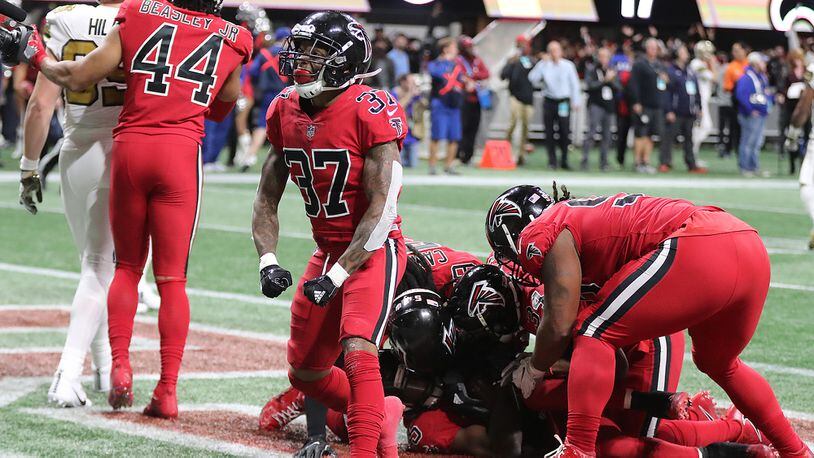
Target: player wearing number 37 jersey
(338, 142)
(181, 61)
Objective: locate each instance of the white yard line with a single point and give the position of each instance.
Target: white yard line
(221, 330)
(14, 388)
(250, 410)
(91, 418)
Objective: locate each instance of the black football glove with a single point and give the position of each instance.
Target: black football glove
(320, 290)
(315, 447)
(274, 280)
(30, 186)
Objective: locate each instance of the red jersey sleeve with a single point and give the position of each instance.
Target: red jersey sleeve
(534, 242)
(381, 120)
(273, 125)
(243, 45)
(124, 10)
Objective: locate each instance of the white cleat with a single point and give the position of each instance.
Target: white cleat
(66, 392)
(147, 298)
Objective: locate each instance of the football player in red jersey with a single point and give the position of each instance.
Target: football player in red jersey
(181, 61)
(339, 141)
(445, 264)
(652, 257)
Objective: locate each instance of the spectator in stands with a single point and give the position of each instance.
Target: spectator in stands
(792, 88)
(602, 85)
(409, 97)
(646, 92)
(264, 72)
(754, 102)
(622, 62)
(386, 78)
(683, 108)
(728, 119)
(521, 94)
(446, 99)
(474, 76)
(398, 56)
(561, 92)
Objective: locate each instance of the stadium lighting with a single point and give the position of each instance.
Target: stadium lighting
(418, 2)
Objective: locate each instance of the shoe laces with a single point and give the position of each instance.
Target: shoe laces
(558, 450)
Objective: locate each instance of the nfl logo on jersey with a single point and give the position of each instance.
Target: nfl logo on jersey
(310, 131)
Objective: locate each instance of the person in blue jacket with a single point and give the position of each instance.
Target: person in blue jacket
(446, 99)
(754, 103)
(682, 108)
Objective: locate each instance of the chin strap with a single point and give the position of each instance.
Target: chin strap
(356, 79)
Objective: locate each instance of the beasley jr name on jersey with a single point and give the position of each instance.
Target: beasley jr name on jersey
(72, 32)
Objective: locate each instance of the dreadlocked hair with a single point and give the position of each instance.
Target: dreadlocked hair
(201, 6)
(566, 194)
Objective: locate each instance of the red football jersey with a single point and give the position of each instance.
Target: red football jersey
(326, 154)
(532, 303)
(611, 231)
(176, 61)
(447, 264)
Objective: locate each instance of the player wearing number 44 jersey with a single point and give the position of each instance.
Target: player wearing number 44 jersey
(339, 142)
(181, 61)
(664, 265)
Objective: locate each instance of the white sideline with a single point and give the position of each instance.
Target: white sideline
(220, 330)
(90, 418)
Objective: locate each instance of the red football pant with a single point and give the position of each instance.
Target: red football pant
(155, 188)
(699, 433)
(678, 286)
(360, 309)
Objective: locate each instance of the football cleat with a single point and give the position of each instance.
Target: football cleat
(67, 392)
(566, 450)
(702, 407)
(101, 379)
(749, 432)
(282, 409)
(388, 446)
(679, 406)
(121, 385)
(164, 403)
(731, 449)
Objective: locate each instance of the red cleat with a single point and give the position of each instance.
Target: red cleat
(282, 409)
(388, 440)
(679, 406)
(749, 432)
(121, 385)
(702, 407)
(164, 403)
(567, 450)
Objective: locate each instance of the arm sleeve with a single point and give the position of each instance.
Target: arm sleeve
(506, 71)
(576, 90)
(534, 243)
(536, 73)
(436, 69)
(592, 81)
(389, 124)
(743, 90)
(481, 72)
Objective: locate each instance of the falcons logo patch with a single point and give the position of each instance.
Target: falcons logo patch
(396, 124)
(784, 13)
(483, 296)
(501, 209)
(532, 251)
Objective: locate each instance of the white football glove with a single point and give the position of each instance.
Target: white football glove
(523, 375)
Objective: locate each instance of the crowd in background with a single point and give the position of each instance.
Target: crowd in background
(596, 91)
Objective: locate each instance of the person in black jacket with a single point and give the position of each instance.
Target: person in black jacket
(646, 91)
(602, 86)
(682, 108)
(521, 92)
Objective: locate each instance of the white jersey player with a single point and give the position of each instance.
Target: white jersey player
(73, 31)
(803, 112)
(704, 67)
(807, 185)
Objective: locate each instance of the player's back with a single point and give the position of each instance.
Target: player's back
(447, 264)
(72, 32)
(609, 231)
(176, 61)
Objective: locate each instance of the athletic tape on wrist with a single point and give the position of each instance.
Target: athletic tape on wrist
(338, 275)
(268, 259)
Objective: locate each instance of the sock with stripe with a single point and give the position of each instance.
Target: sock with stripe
(698, 433)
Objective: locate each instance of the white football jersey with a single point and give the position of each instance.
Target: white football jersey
(72, 32)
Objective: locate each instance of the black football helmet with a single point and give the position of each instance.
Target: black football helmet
(421, 332)
(485, 303)
(343, 60)
(510, 213)
(417, 273)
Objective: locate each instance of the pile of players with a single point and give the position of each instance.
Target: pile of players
(458, 327)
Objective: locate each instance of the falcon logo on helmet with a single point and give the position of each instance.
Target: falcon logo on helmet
(482, 297)
(532, 251)
(501, 209)
(448, 336)
(784, 13)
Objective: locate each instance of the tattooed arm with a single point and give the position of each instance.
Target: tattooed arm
(265, 224)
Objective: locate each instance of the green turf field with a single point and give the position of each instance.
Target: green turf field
(38, 266)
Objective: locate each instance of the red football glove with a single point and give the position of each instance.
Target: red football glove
(34, 52)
